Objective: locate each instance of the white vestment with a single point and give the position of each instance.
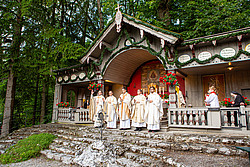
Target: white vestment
(111, 104)
(212, 99)
(154, 111)
(99, 106)
(124, 110)
(138, 111)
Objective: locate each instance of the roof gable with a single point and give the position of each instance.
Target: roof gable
(166, 35)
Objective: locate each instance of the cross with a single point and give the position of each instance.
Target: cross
(118, 7)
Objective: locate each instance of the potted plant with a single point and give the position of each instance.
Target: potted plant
(247, 101)
(169, 79)
(95, 86)
(226, 102)
(63, 104)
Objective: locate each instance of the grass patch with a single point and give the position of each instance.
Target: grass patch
(27, 148)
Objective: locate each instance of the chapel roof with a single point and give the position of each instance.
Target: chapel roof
(167, 35)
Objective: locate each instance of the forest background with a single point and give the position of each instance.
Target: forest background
(39, 36)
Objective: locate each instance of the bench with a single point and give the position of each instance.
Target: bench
(247, 149)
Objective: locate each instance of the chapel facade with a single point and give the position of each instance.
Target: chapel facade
(135, 54)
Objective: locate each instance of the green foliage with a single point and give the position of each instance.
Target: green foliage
(38, 37)
(27, 148)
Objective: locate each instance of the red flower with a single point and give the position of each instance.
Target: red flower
(165, 80)
(170, 78)
(174, 74)
(245, 97)
(174, 82)
(61, 102)
(164, 76)
(168, 74)
(225, 102)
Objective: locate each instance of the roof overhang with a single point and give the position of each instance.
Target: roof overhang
(110, 30)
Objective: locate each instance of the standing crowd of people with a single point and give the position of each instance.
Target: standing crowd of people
(143, 111)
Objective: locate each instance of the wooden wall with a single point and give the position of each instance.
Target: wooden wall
(194, 90)
(238, 81)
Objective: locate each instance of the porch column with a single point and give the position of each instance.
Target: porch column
(100, 80)
(172, 95)
(243, 118)
(57, 99)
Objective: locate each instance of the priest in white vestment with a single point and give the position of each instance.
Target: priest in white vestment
(111, 104)
(154, 111)
(99, 106)
(124, 109)
(138, 111)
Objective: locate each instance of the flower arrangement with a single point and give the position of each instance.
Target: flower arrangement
(95, 85)
(247, 101)
(63, 104)
(164, 96)
(169, 79)
(226, 102)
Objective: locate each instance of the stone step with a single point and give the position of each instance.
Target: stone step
(210, 148)
(65, 158)
(236, 141)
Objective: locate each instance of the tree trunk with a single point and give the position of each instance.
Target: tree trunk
(11, 84)
(35, 101)
(43, 105)
(100, 14)
(9, 104)
(163, 11)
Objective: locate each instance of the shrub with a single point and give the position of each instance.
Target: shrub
(27, 148)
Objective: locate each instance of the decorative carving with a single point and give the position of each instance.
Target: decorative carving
(214, 42)
(141, 33)
(100, 45)
(162, 43)
(239, 37)
(118, 18)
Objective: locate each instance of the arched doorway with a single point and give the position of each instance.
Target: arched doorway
(120, 70)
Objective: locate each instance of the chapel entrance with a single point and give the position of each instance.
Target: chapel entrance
(136, 69)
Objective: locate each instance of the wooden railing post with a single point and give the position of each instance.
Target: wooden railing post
(232, 118)
(174, 119)
(203, 117)
(191, 117)
(225, 118)
(197, 118)
(179, 117)
(185, 117)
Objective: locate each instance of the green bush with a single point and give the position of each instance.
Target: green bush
(27, 148)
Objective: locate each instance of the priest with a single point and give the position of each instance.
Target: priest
(154, 111)
(138, 111)
(99, 106)
(124, 109)
(111, 104)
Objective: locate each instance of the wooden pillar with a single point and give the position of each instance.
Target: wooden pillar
(57, 99)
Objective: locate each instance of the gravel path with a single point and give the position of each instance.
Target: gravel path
(186, 158)
(195, 159)
(41, 161)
